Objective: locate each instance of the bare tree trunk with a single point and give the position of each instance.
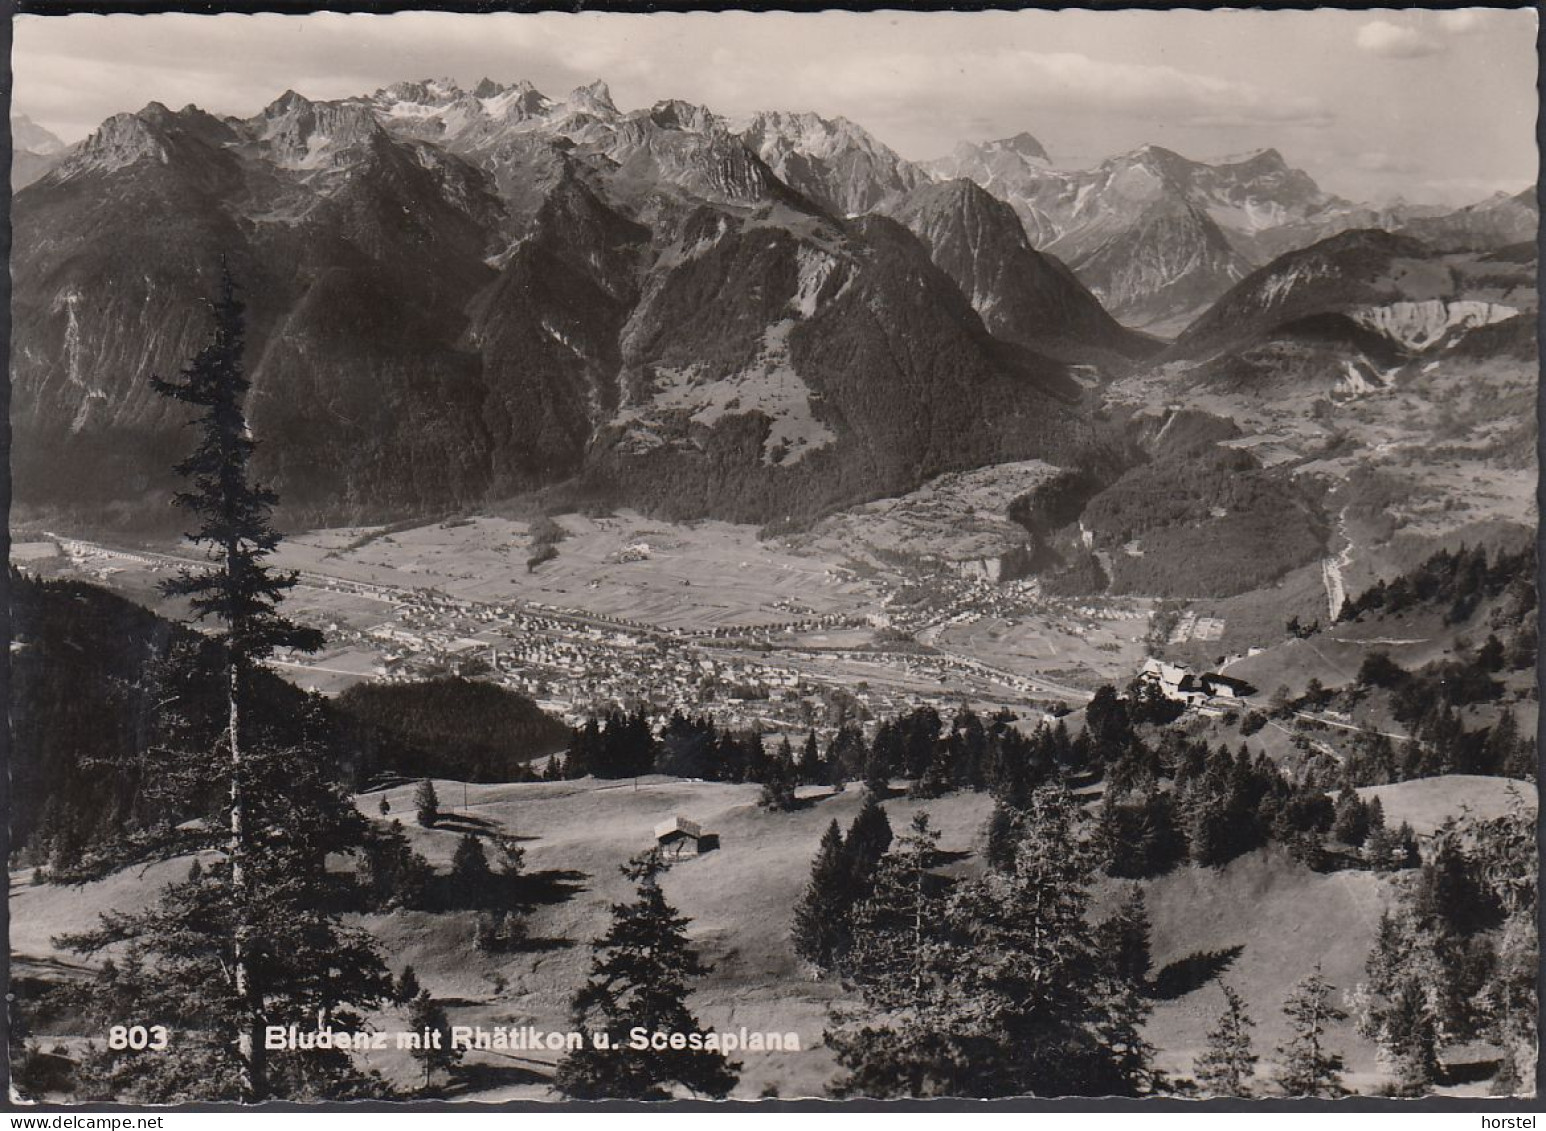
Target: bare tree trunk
(250, 1038)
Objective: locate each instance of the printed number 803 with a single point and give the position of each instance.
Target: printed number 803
(137, 1037)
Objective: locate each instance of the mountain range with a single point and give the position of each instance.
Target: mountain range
(34, 150)
(458, 295)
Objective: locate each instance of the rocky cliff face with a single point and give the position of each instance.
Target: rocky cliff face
(1154, 235)
(833, 161)
(1353, 313)
(455, 296)
(1499, 221)
(1357, 268)
(1022, 295)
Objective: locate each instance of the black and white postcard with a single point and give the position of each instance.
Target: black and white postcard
(766, 556)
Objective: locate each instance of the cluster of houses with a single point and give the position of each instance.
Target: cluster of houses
(1209, 691)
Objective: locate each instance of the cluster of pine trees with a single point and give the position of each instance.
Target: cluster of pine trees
(1176, 799)
(1456, 959)
(970, 754)
(448, 728)
(1001, 986)
(1455, 581)
(1431, 704)
(988, 987)
(1306, 1064)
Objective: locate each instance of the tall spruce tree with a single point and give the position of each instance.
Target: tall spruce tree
(1123, 940)
(822, 919)
(240, 591)
(1399, 1004)
(1228, 1064)
(252, 937)
(428, 1022)
(1307, 1067)
(1050, 1017)
(426, 804)
(811, 769)
(869, 836)
(640, 978)
(904, 1041)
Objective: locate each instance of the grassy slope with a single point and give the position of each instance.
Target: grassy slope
(1427, 802)
(739, 901)
(1285, 917)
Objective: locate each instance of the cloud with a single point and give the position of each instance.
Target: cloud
(1463, 191)
(919, 100)
(914, 86)
(1462, 21)
(1378, 161)
(1380, 37)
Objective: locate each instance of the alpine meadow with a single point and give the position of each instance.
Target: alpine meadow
(884, 555)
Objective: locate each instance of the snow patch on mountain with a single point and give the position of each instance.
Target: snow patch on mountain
(1361, 377)
(815, 268)
(70, 301)
(1276, 290)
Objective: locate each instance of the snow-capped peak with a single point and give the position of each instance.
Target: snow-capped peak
(1022, 144)
(595, 98)
(674, 114)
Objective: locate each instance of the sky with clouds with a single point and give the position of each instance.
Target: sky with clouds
(1430, 105)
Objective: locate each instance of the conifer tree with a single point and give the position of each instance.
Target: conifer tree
(877, 772)
(428, 1021)
(811, 770)
(1123, 940)
(894, 928)
(239, 589)
(426, 803)
(869, 836)
(1048, 1018)
(1306, 1067)
(821, 930)
(902, 1042)
(1228, 1064)
(935, 780)
(471, 877)
(390, 873)
(640, 978)
(251, 937)
(778, 782)
(1351, 823)
(1394, 1006)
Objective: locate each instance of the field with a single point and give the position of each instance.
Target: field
(693, 577)
(959, 517)
(1084, 651)
(1260, 922)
